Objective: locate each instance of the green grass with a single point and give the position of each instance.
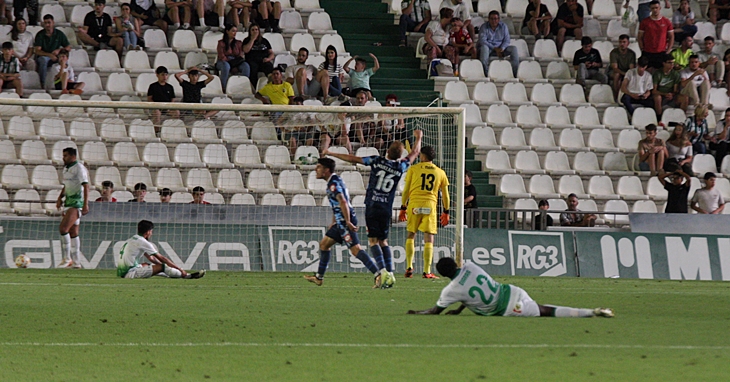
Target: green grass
(89, 325)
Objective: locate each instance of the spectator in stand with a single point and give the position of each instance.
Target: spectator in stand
(543, 205)
(198, 195)
(367, 133)
(568, 22)
(211, 13)
(637, 87)
(333, 128)
(64, 78)
(708, 200)
(49, 42)
(572, 218)
(718, 10)
(240, 13)
(129, 26)
(177, 11)
(140, 191)
(97, 30)
(332, 83)
(652, 151)
(266, 13)
(697, 131)
(720, 139)
(395, 127)
(415, 16)
(10, 69)
(165, 195)
(682, 53)
(31, 6)
(621, 60)
(360, 77)
(147, 12)
(470, 192)
(461, 11)
(23, 44)
(462, 41)
(656, 36)
(677, 192)
(679, 151)
(107, 189)
(276, 91)
(258, 53)
(192, 89)
(161, 91)
(712, 62)
(494, 40)
(684, 21)
(297, 128)
(587, 63)
(306, 79)
(230, 56)
(666, 87)
(644, 9)
(437, 38)
(536, 23)
(695, 82)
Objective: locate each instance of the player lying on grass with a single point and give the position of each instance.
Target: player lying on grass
(137, 246)
(385, 174)
(475, 289)
(343, 229)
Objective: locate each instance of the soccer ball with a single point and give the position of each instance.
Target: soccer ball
(22, 261)
(387, 280)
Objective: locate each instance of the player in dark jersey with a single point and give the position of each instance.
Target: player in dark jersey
(344, 224)
(385, 173)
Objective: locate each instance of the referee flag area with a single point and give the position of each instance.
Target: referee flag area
(90, 325)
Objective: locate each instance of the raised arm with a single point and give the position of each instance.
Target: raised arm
(416, 147)
(345, 157)
(346, 66)
(376, 65)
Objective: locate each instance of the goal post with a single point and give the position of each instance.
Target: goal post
(257, 182)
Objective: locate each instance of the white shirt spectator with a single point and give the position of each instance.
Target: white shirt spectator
(25, 42)
(719, 127)
(440, 35)
(679, 19)
(69, 71)
(639, 84)
(292, 70)
(461, 10)
(679, 153)
(708, 200)
(697, 81)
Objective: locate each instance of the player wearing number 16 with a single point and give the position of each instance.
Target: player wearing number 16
(385, 174)
(423, 183)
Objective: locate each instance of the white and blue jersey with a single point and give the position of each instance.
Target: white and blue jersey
(339, 231)
(384, 177)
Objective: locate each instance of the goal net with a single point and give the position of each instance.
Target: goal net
(254, 165)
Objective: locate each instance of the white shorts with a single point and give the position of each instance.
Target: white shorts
(141, 271)
(521, 304)
(78, 221)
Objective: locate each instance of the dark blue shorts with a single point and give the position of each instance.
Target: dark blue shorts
(377, 221)
(343, 236)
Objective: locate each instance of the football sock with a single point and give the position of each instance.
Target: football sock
(177, 25)
(410, 251)
(367, 261)
(563, 311)
(221, 22)
(202, 22)
(76, 249)
(172, 272)
(427, 257)
(66, 246)
(186, 26)
(378, 256)
(324, 260)
(387, 258)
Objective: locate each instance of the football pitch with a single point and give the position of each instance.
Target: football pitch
(90, 325)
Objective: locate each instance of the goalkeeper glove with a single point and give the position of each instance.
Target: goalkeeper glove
(402, 215)
(444, 219)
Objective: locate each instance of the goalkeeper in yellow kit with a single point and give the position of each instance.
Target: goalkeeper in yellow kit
(423, 183)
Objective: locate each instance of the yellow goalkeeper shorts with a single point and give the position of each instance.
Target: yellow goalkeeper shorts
(422, 217)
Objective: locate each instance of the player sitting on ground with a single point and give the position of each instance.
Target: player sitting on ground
(385, 174)
(344, 225)
(421, 191)
(475, 289)
(137, 246)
